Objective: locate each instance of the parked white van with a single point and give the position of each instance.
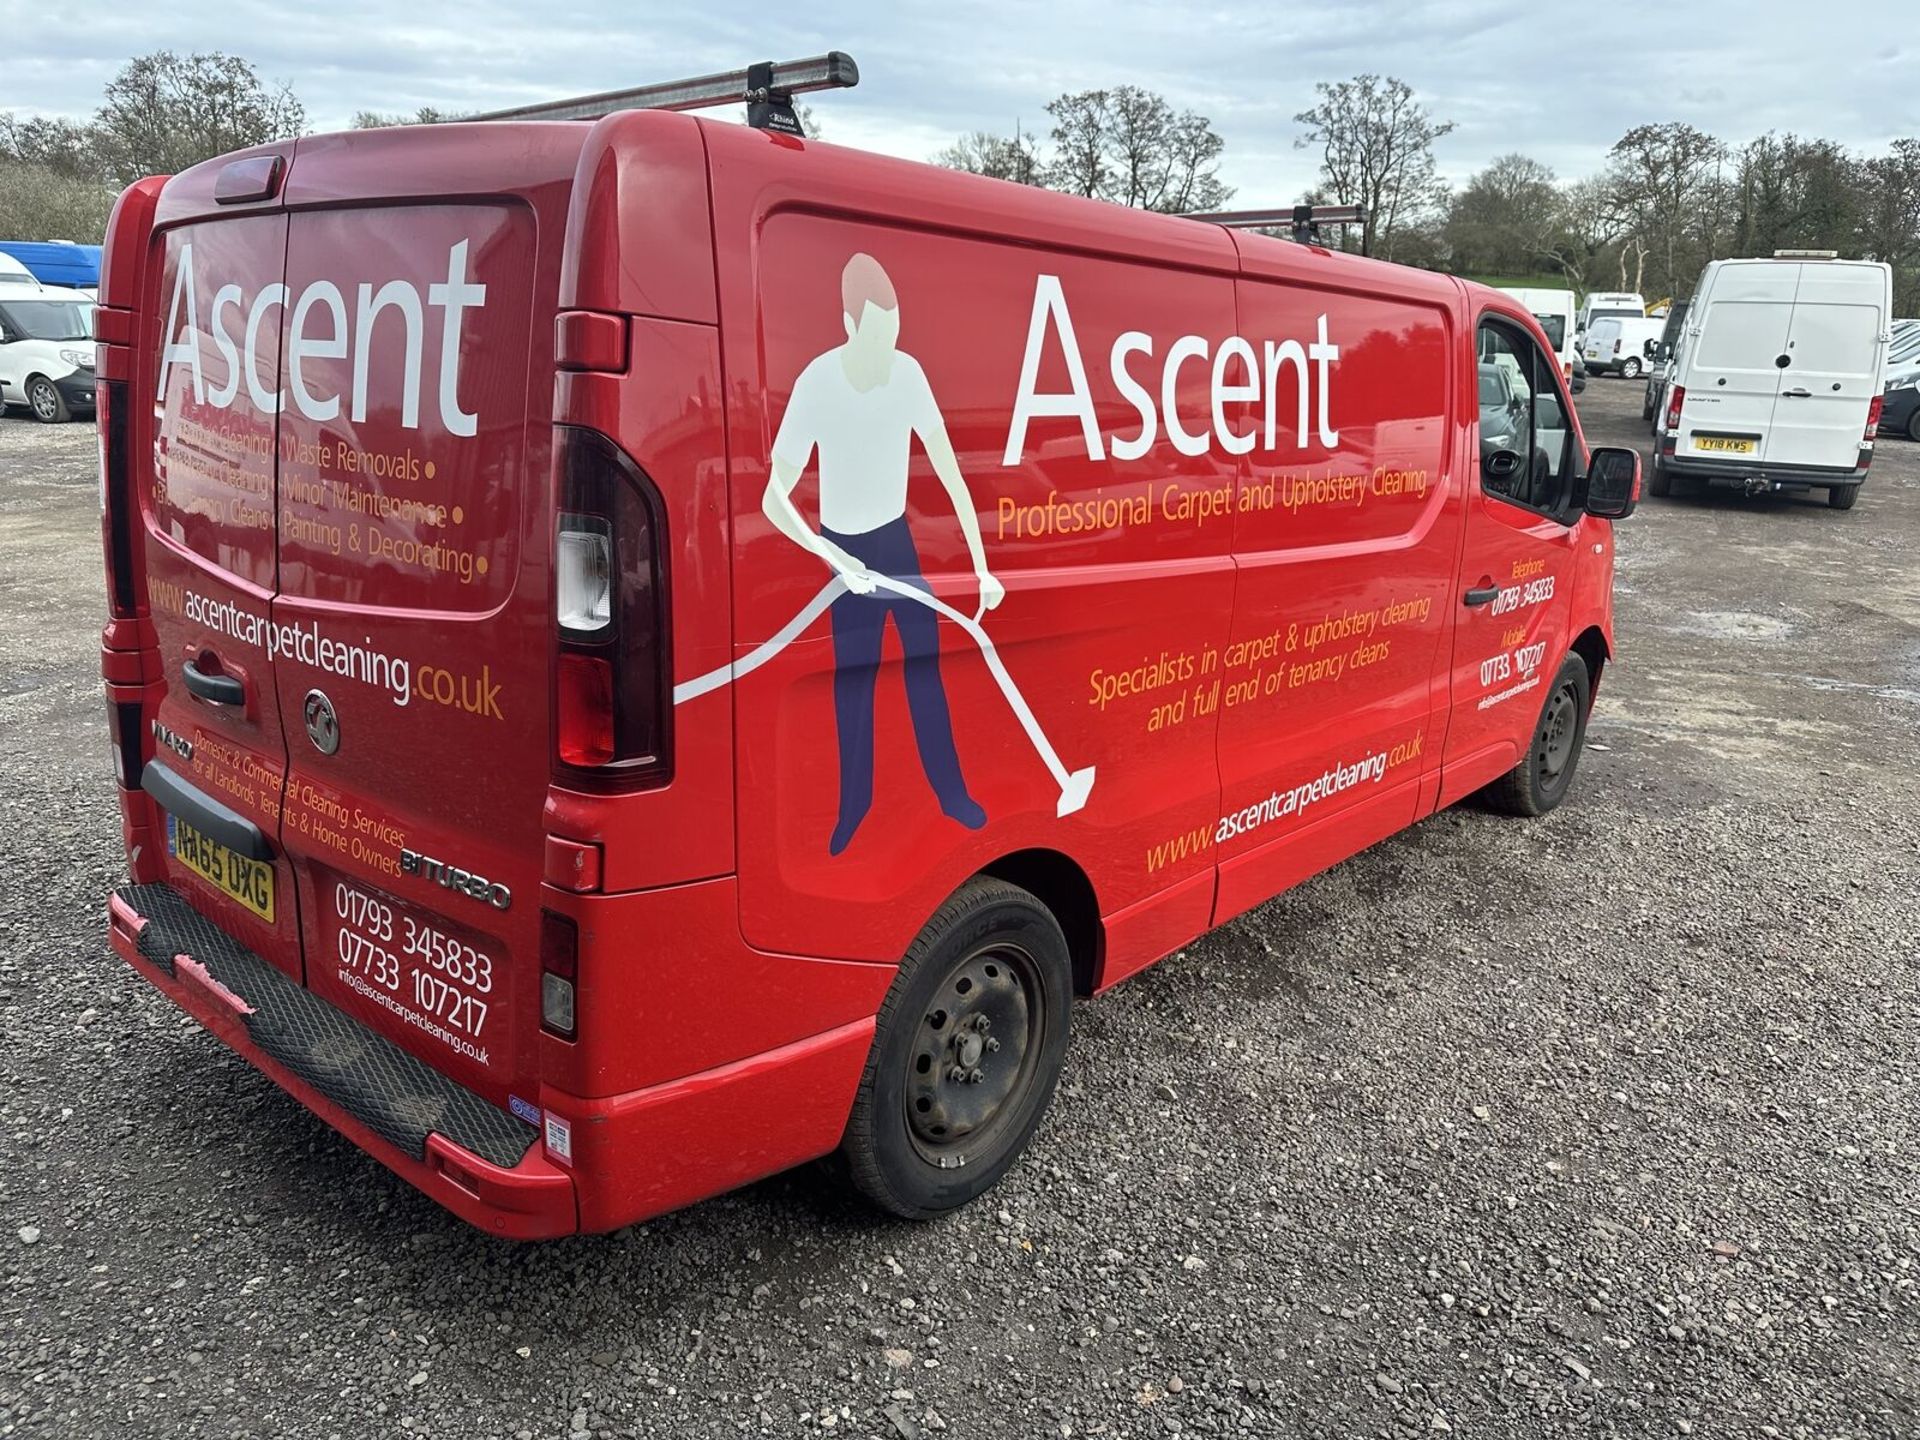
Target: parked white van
(1609, 305)
(46, 351)
(1618, 345)
(1776, 383)
(1556, 310)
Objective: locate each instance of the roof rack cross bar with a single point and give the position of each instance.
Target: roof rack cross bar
(766, 88)
(1302, 222)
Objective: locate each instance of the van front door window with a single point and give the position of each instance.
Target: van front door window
(1526, 436)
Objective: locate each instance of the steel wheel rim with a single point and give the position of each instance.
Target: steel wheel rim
(43, 400)
(966, 1080)
(1555, 747)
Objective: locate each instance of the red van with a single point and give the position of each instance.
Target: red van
(647, 651)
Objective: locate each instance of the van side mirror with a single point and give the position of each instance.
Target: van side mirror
(1613, 482)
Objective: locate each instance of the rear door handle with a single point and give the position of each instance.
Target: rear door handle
(1797, 394)
(215, 689)
(1485, 595)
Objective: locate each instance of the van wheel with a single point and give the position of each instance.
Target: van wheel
(1841, 497)
(44, 397)
(1659, 480)
(1630, 367)
(1913, 424)
(1545, 773)
(966, 1053)
(1646, 406)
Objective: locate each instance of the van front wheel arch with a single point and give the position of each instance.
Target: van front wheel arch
(966, 1052)
(1544, 774)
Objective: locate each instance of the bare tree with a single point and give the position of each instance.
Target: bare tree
(1890, 218)
(1663, 178)
(1376, 149)
(164, 112)
(52, 142)
(384, 120)
(1083, 137)
(1126, 145)
(1002, 157)
(1505, 218)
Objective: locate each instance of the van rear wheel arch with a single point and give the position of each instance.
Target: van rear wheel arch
(1058, 883)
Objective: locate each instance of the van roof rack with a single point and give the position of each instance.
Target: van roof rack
(1302, 222)
(766, 88)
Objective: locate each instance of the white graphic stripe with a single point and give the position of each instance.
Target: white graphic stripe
(1074, 786)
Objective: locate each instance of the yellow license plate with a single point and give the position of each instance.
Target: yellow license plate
(246, 880)
(1726, 444)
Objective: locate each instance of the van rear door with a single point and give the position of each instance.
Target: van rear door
(422, 268)
(1733, 378)
(1834, 348)
(203, 477)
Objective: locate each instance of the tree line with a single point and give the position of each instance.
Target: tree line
(1669, 197)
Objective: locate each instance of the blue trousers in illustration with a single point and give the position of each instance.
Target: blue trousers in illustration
(859, 626)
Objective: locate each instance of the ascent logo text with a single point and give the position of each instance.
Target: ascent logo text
(318, 329)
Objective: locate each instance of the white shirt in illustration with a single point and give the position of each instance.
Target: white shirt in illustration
(864, 438)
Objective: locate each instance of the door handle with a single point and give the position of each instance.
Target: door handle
(1797, 394)
(215, 689)
(1483, 595)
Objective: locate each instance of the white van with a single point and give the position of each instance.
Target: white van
(46, 351)
(1609, 305)
(1617, 345)
(1776, 384)
(1556, 311)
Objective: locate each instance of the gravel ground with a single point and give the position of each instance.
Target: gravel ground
(1600, 1123)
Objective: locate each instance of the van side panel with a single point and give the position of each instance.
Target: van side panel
(1072, 716)
(1347, 539)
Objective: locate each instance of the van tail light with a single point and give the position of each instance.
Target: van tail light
(1676, 397)
(1873, 419)
(116, 495)
(613, 676)
(559, 975)
(1616, 347)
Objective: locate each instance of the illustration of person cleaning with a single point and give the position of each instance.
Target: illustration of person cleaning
(858, 407)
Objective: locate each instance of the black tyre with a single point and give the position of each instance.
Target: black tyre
(43, 397)
(1646, 406)
(1659, 479)
(968, 1048)
(1630, 367)
(1913, 424)
(1545, 773)
(1841, 497)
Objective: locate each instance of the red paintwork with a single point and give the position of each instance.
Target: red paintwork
(663, 281)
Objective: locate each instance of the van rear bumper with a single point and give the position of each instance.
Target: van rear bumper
(633, 1155)
(485, 1170)
(1748, 473)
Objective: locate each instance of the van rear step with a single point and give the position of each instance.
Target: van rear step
(398, 1097)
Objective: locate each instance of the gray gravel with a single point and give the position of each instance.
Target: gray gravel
(1598, 1123)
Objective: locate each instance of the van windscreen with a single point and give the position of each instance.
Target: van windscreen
(50, 319)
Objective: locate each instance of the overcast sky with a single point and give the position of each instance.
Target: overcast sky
(1560, 82)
